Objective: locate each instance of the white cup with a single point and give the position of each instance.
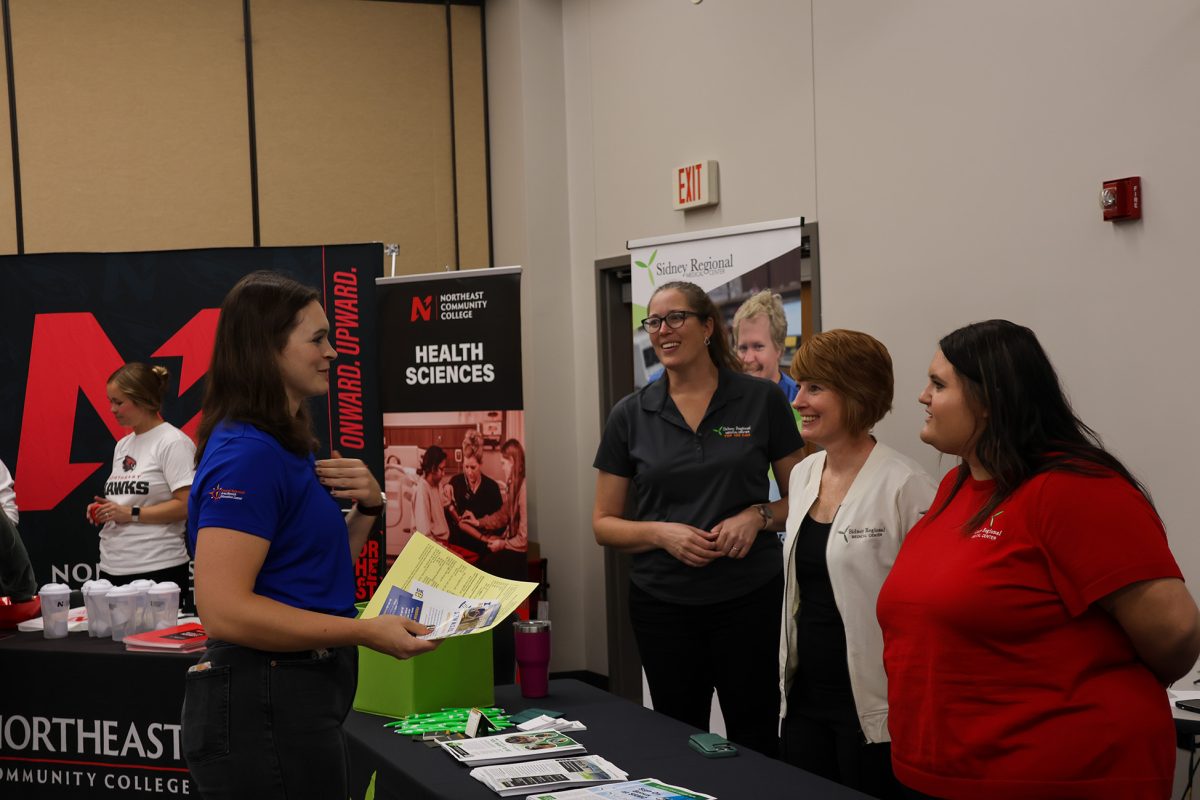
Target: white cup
(142, 620)
(56, 606)
(97, 608)
(122, 611)
(164, 605)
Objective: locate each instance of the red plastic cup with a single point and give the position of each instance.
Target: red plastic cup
(533, 655)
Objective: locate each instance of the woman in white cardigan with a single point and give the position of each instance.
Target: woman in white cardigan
(850, 507)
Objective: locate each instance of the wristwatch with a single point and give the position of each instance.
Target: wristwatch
(373, 511)
(764, 511)
(135, 514)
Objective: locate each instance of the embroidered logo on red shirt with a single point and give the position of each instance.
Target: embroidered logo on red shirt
(219, 492)
(989, 531)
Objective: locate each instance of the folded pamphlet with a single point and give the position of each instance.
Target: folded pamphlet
(530, 777)
(508, 747)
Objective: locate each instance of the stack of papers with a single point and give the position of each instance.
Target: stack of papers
(185, 638)
(511, 747)
(644, 789)
(529, 777)
(545, 723)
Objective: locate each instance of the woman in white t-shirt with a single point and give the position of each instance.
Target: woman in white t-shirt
(144, 507)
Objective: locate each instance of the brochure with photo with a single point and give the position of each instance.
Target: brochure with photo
(506, 747)
(531, 777)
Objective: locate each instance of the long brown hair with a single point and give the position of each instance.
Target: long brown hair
(1031, 427)
(244, 383)
(720, 349)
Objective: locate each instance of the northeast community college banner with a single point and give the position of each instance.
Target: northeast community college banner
(68, 320)
(453, 419)
(730, 264)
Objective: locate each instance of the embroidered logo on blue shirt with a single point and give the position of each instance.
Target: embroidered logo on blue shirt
(219, 492)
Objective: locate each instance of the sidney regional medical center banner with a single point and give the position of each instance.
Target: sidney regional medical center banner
(730, 264)
(453, 415)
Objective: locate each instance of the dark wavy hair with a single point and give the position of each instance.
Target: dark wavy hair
(720, 349)
(244, 382)
(1030, 427)
(431, 459)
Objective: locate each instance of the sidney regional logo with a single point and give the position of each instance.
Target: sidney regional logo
(733, 431)
(687, 269)
(989, 531)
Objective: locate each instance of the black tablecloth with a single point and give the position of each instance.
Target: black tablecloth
(83, 717)
(641, 742)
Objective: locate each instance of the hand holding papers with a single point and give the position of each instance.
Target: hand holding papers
(441, 591)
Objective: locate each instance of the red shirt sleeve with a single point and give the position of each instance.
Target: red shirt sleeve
(1099, 535)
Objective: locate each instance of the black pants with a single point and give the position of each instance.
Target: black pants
(832, 745)
(180, 574)
(732, 647)
(268, 726)
(16, 574)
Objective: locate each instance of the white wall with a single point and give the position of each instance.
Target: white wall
(953, 154)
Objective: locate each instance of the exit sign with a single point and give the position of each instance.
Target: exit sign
(695, 185)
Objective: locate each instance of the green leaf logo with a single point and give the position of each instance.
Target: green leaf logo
(647, 264)
(719, 431)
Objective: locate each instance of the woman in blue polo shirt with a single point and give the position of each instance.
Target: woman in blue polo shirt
(263, 709)
(707, 577)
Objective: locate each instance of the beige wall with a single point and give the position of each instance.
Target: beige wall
(952, 152)
(134, 131)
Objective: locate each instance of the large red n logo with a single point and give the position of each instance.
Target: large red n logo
(71, 353)
(421, 307)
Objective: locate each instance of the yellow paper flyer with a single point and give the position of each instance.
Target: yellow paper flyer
(438, 589)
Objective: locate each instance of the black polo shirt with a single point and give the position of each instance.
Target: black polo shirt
(700, 478)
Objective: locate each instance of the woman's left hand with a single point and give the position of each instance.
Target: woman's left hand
(495, 544)
(108, 511)
(349, 479)
(736, 534)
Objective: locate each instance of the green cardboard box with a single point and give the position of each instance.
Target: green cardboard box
(458, 673)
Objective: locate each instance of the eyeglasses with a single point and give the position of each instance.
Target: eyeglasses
(674, 319)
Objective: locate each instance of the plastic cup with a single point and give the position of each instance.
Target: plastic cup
(532, 638)
(164, 605)
(97, 608)
(122, 611)
(56, 606)
(142, 619)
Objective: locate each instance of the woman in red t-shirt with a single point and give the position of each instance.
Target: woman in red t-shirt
(1033, 616)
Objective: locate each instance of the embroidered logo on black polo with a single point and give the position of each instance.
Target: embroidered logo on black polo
(733, 431)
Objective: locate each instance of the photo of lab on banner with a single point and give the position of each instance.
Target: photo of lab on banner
(458, 478)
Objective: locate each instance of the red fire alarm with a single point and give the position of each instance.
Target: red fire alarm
(1121, 199)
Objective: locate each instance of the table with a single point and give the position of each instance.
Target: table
(82, 717)
(636, 739)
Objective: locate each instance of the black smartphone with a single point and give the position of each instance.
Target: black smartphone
(1189, 705)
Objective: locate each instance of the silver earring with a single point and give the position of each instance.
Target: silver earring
(707, 340)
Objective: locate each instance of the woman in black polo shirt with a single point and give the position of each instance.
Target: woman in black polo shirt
(707, 575)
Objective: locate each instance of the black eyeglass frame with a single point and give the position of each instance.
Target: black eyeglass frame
(680, 316)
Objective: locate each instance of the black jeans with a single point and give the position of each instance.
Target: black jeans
(259, 725)
(832, 745)
(732, 647)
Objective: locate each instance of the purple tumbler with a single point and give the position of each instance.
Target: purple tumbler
(533, 655)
